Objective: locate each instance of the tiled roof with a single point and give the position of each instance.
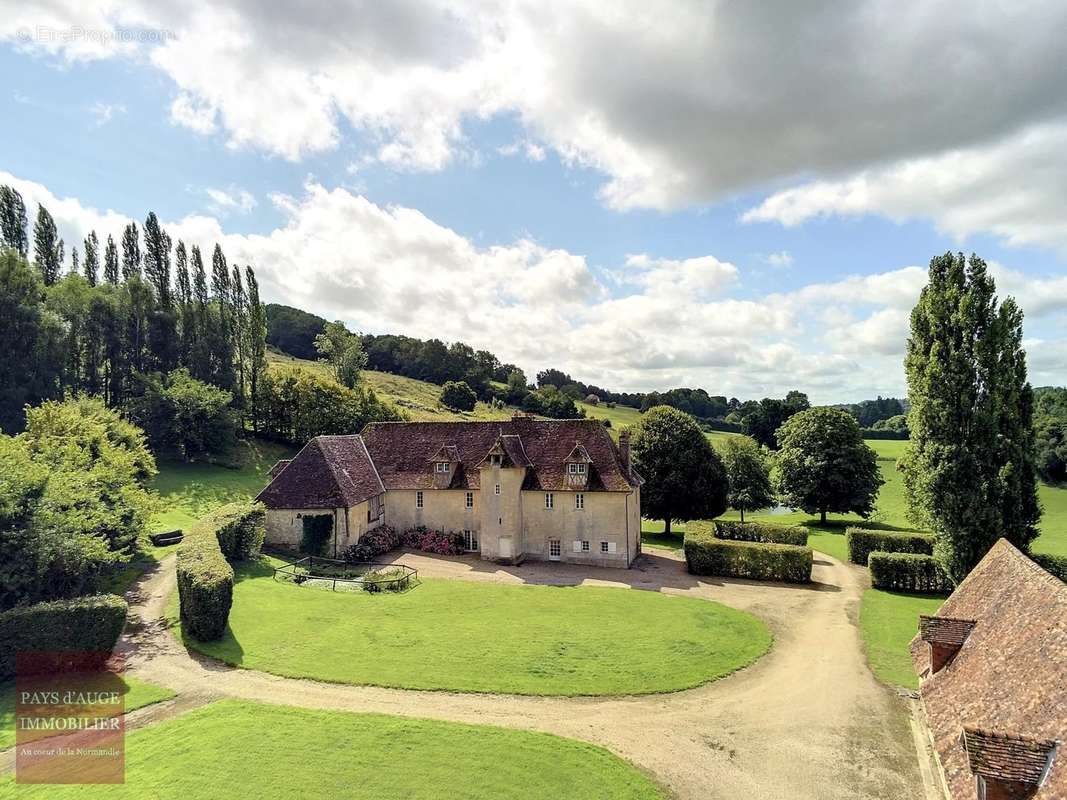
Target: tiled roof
(400, 451)
(1007, 758)
(944, 630)
(278, 467)
(329, 472)
(1009, 676)
(336, 471)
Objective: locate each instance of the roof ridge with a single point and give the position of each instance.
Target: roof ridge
(370, 461)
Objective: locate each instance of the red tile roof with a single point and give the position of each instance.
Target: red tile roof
(944, 630)
(329, 472)
(399, 455)
(1007, 758)
(1010, 675)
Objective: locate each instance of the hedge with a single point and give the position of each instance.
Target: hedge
(1056, 565)
(74, 628)
(908, 572)
(862, 542)
(707, 555)
(205, 577)
(762, 532)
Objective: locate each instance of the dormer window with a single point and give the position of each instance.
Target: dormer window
(442, 466)
(576, 469)
(495, 459)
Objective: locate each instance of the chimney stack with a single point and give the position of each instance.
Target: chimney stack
(624, 450)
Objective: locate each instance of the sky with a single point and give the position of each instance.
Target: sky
(742, 197)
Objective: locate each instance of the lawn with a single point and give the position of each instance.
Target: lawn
(189, 491)
(483, 637)
(234, 749)
(137, 694)
(888, 622)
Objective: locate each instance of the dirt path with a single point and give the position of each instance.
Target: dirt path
(808, 720)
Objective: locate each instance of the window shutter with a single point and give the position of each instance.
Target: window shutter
(577, 546)
(611, 547)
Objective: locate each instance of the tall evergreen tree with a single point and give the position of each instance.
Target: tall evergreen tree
(111, 261)
(184, 290)
(200, 352)
(157, 259)
(222, 339)
(74, 269)
(131, 251)
(91, 266)
(13, 223)
(257, 345)
(969, 471)
(239, 329)
(47, 247)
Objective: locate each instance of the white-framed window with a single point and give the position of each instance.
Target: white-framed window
(497, 489)
(442, 466)
(549, 500)
(576, 469)
(470, 499)
(470, 541)
(585, 545)
(418, 499)
(579, 501)
(553, 548)
(603, 547)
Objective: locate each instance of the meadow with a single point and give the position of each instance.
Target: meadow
(484, 637)
(234, 749)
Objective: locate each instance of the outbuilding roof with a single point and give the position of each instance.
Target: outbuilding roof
(1009, 676)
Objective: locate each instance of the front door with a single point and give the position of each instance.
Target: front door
(553, 549)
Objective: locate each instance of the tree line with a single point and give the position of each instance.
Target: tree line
(121, 311)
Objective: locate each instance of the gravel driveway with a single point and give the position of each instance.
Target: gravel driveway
(808, 720)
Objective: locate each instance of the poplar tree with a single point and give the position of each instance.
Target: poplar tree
(222, 344)
(73, 260)
(47, 247)
(239, 329)
(185, 307)
(91, 266)
(969, 470)
(157, 259)
(200, 357)
(13, 222)
(111, 261)
(257, 340)
(131, 251)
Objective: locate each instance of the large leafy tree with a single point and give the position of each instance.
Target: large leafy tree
(13, 221)
(685, 478)
(969, 470)
(748, 474)
(47, 246)
(764, 420)
(343, 351)
(184, 417)
(458, 396)
(825, 466)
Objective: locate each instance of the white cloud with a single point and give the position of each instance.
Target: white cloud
(104, 112)
(783, 258)
(676, 102)
(530, 149)
(1015, 188)
(659, 323)
(234, 199)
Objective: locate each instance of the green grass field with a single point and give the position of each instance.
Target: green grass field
(233, 749)
(482, 637)
(136, 694)
(888, 622)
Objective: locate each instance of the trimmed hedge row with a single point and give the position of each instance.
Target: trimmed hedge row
(908, 572)
(762, 532)
(707, 555)
(1056, 565)
(862, 542)
(205, 577)
(83, 625)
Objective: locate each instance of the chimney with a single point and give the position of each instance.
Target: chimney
(624, 450)
(946, 636)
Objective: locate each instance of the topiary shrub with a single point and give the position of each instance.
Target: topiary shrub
(70, 628)
(762, 532)
(862, 542)
(239, 530)
(908, 572)
(1056, 565)
(205, 580)
(707, 555)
